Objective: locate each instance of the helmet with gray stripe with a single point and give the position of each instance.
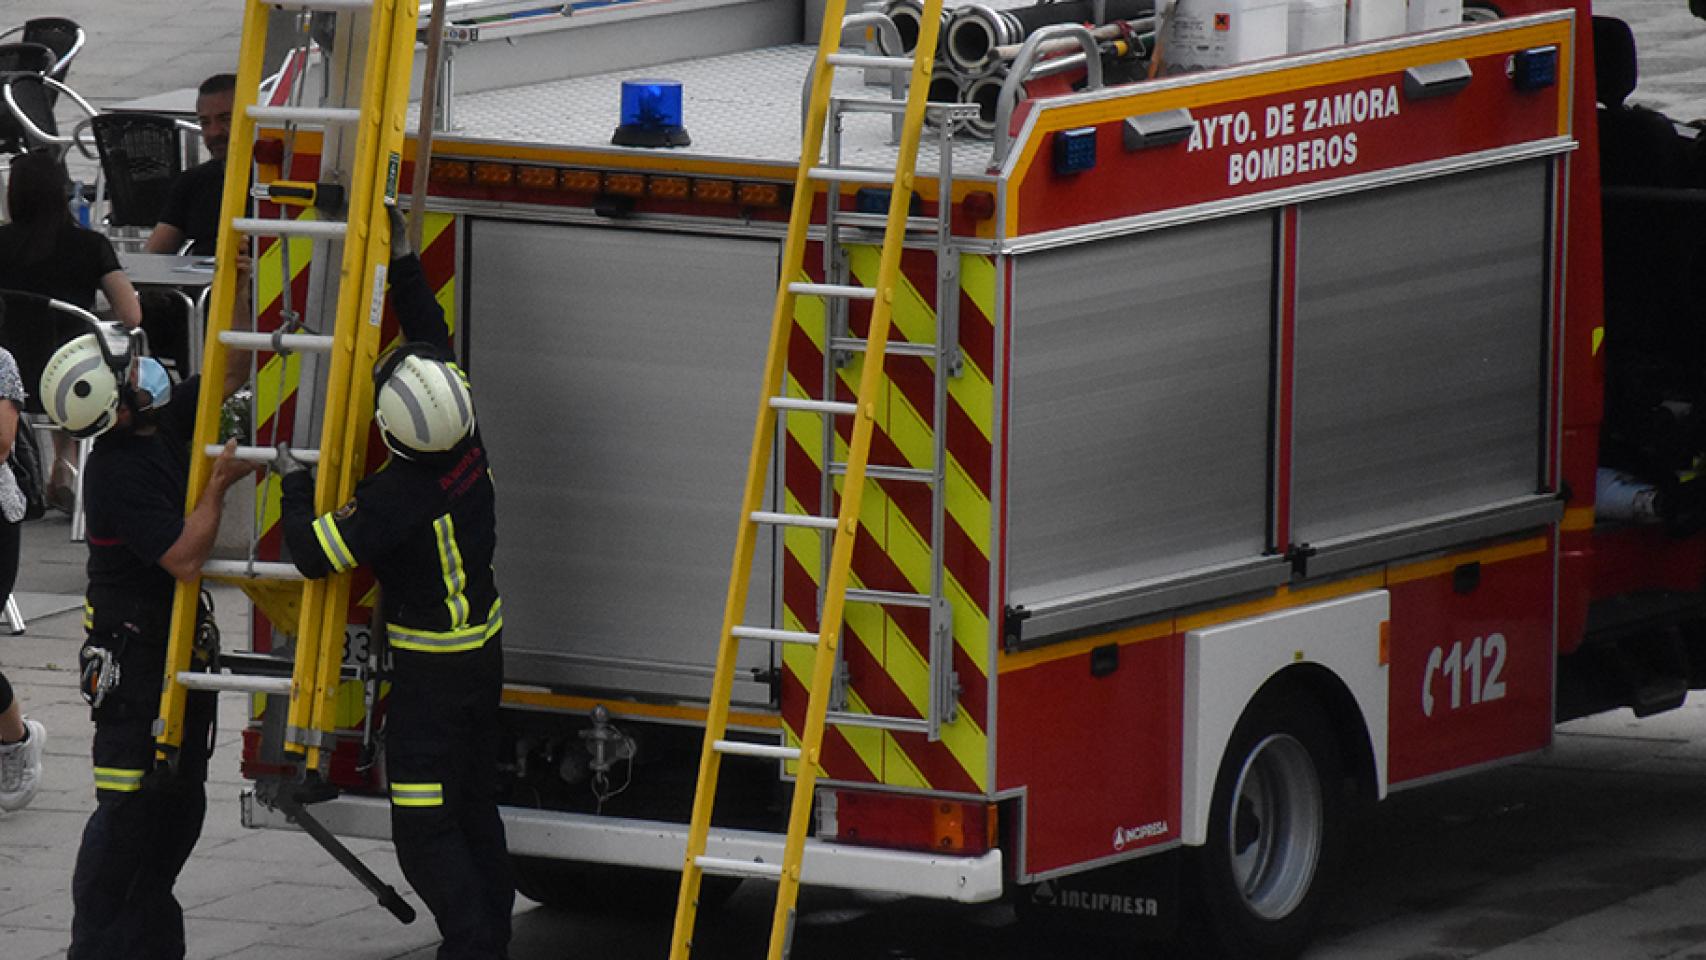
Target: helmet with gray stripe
(79, 388)
(422, 405)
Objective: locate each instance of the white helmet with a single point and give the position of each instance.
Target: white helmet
(423, 404)
(79, 388)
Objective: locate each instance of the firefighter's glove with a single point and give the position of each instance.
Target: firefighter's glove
(285, 463)
(400, 246)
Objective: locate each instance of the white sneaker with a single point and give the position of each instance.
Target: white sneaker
(20, 767)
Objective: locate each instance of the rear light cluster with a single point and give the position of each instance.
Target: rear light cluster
(900, 822)
(481, 173)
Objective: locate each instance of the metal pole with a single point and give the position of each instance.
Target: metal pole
(423, 137)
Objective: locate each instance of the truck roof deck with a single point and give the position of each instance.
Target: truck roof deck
(741, 106)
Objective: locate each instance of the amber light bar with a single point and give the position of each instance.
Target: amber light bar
(537, 178)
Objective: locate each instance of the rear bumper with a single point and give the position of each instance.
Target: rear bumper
(661, 846)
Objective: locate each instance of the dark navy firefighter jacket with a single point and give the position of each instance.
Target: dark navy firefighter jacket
(426, 526)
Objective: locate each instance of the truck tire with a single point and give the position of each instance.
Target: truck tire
(602, 888)
(1276, 830)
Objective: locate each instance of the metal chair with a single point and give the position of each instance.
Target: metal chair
(64, 37)
(21, 59)
(140, 155)
(30, 99)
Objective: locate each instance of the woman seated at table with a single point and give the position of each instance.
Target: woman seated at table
(43, 251)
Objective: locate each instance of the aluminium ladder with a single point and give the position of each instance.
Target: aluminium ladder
(363, 119)
(823, 106)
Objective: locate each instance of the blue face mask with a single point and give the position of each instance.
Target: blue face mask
(151, 378)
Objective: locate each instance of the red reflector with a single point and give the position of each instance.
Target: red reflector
(714, 191)
(759, 194)
(979, 205)
(670, 188)
(537, 178)
(914, 823)
(494, 174)
(625, 184)
(585, 181)
(269, 151)
(450, 171)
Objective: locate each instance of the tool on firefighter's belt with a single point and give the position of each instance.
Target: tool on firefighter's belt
(879, 287)
(206, 654)
(338, 220)
(98, 672)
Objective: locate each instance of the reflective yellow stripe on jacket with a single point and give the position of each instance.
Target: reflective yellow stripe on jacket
(448, 641)
(118, 779)
(450, 567)
(417, 794)
(332, 544)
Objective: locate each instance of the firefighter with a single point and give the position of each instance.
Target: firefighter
(145, 822)
(427, 524)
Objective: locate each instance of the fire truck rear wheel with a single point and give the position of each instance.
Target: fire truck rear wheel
(1276, 830)
(603, 888)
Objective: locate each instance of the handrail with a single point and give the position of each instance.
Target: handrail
(1021, 71)
(888, 38)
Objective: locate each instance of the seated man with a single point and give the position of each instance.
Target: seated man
(192, 208)
(191, 217)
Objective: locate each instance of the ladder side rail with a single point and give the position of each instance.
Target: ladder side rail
(775, 364)
(375, 179)
(942, 696)
(870, 381)
(318, 595)
(169, 726)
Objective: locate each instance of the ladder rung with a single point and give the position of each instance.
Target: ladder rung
(773, 635)
(878, 471)
(880, 221)
(888, 598)
(795, 520)
(903, 724)
(832, 290)
(814, 406)
(282, 227)
(299, 342)
(327, 5)
(261, 454)
(901, 348)
(738, 868)
(869, 61)
(744, 749)
(852, 175)
(254, 571)
(325, 115)
(234, 682)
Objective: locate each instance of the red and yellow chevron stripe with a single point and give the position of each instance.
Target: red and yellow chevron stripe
(887, 648)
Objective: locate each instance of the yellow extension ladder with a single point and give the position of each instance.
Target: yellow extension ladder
(369, 48)
(824, 109)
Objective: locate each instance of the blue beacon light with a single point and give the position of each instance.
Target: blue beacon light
(651, 115)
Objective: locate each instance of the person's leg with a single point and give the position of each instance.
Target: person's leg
(180, 801)
(480, 823)
(12, 727)
(426, 739)
(116, 842)
(22, 742)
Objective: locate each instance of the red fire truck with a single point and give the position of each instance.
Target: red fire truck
(1266, 402)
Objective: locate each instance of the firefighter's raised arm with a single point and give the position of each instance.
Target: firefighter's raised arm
(418, 312)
